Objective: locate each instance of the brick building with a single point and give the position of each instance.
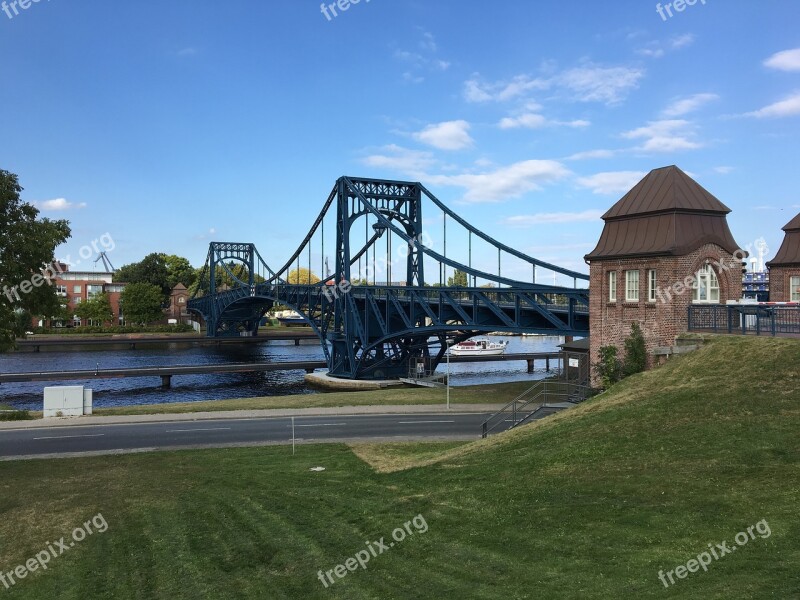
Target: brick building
(784, 269)
(665, 245)
(74, 287)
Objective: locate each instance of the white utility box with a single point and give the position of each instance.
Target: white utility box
(67, 401)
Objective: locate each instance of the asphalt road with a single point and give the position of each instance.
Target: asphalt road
(55, 441)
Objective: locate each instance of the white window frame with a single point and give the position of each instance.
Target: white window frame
(794, 289)
(652, 280)
(631, 288)
(706, 279)
(612, 286)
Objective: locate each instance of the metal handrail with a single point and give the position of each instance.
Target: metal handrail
(573, 393)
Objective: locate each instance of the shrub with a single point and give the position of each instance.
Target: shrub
(15, 415)
(609, 369)
(635, 352)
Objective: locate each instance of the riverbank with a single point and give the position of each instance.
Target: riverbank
(489, 395)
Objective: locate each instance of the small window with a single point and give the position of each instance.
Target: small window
(706, 286)
(181, 300)
(631, 286)
(77, 289)
(794, 287)
(651, 285)
(612, 286)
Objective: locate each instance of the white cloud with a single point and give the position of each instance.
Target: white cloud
(788, 60)
(682, 41)
(58, 204)
(723, 170)
(588, 83)
(665, 136)
(505, 182)
(449, 135)
(550, 218)
(592, 154)
(785, 108)
(397, 158)
(527, 120)
(598, 84)
(683, 106)
(612, 182)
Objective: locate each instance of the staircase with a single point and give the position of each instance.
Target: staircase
(543, 398)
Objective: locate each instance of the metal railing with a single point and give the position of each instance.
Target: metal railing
(745, 319)
(534, 400)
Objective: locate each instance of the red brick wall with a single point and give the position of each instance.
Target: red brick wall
(779, 290)
(663, 320)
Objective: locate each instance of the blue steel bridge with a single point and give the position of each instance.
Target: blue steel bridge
(393, 295)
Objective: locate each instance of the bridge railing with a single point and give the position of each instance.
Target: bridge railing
(745, 319)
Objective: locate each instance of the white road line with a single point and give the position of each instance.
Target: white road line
(417, 422)
(64, 437)
(206, 429)
(324, 425)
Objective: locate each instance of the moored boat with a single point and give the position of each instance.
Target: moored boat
(479, 347)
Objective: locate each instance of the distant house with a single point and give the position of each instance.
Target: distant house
(784, 269)
(177, 304)
(75, 287)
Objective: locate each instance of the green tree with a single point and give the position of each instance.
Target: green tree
(609, 369)
(635, 352)
(27, 245)
(141, 303)
(97, 308)
(459, 279)
(179, 270)
(302, 276)
(151, 269)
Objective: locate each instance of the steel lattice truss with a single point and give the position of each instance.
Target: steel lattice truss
(377, 331)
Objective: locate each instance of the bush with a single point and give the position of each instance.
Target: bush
(609, 369)
(635, 352)
(16, 415)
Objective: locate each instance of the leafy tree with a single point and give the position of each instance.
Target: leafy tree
(27, 245)
(635, 352)
(302, 276)
(141, 303)
(151, 269)
(459, 279)
(179, 270)
(609, 369)
(97, 308)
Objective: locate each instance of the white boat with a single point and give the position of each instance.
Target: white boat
(290, 318)
(479, 347)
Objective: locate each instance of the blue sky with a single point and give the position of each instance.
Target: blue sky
(168, 124)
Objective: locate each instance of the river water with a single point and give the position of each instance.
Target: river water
(222, 386)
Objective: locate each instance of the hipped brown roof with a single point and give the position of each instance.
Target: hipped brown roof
(789, 253)
(666, 213)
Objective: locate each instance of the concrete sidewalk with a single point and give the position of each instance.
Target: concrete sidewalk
(253, 414)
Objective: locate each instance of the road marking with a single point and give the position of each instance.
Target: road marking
(417, 422)
(64, 437)
(206, 429)
(324, 425)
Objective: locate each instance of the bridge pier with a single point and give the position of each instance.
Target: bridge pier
(166, 381)
(297, 342)
(531, 365)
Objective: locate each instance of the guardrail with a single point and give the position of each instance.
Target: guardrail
(543, 394)
(758, 319)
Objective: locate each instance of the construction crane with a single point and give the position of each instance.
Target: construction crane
(106, 262)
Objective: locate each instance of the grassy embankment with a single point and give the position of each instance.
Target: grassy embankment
(589, 503)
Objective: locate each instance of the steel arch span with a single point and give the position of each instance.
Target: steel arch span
(377, 329)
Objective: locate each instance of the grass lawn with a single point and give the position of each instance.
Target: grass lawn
(589, 503)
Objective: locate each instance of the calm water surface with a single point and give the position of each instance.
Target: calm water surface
(222, 386)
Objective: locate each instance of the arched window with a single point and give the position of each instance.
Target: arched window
(706, 286)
